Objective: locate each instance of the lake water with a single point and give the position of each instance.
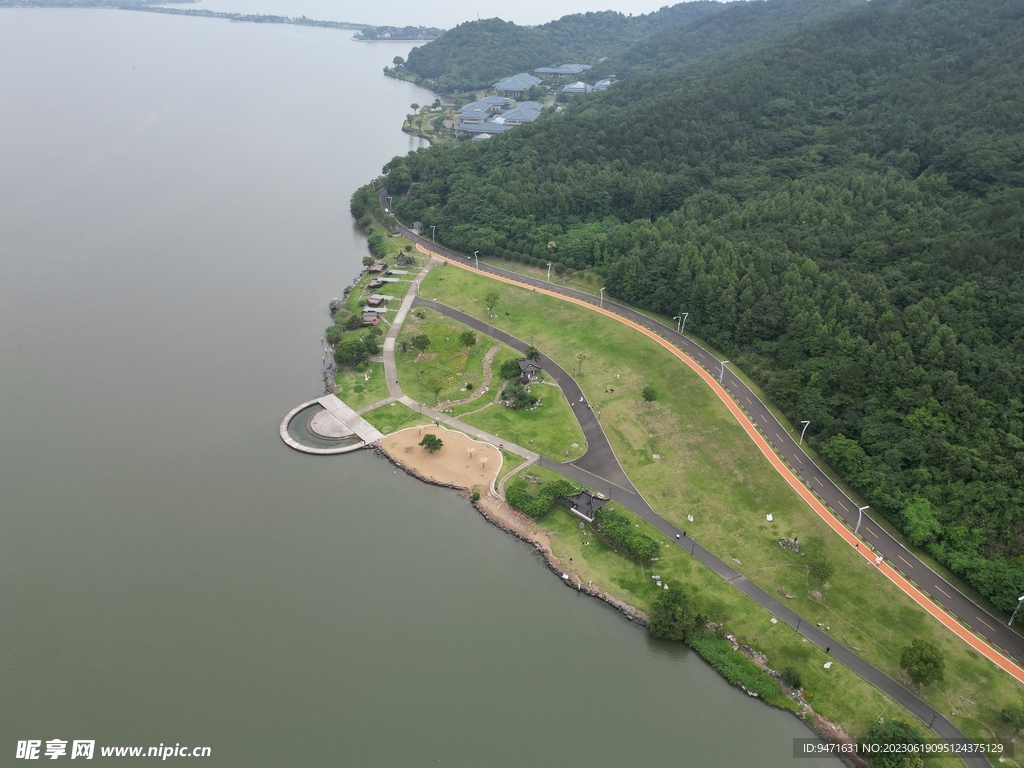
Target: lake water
(173, 221)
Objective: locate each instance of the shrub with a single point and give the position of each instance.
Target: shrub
(618, 528)
(737, 668)
(421, 342)
(649, 394)
(892, 731)
(467, 339)
(1013, 715)
(510, 369)
(376, 244)
(334, 305)
(334, 334)
(672, 618)
(821, 569)
(791, 677)
(476, 495)
(355, 321)
(517, 495)
(519, 397)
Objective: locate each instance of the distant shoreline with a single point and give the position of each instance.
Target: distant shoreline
(395, 34)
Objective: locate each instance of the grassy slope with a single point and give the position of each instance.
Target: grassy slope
(393, 417)
(352, 387)
(836, 693)
(711, 469)
(445, 363)
(552, 427)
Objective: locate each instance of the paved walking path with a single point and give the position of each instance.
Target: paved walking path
(943, 600)
(599, 463)
(985, 633)
(395, 390)
(632, 499)
(358, 425)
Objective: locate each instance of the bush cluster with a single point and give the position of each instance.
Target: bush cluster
(517, 495)
(618, 528)
(737, 668)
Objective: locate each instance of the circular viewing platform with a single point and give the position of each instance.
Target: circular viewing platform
(311, 428)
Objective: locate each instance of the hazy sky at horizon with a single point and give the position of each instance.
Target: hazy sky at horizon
(430, 12)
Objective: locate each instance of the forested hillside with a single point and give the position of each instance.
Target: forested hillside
(841, 213)
(738, 27)
(478, 53)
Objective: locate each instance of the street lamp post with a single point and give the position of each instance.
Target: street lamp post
(860, 516)
(721, 376)
(682, 325)
(806, 425)
(389, 203)
(476, 255)
(435, 305)
(549, 271)
(1019, 600)
(602, 297)
(433, 228)
(679, 323)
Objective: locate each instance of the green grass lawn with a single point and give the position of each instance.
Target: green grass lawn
(393, 417)
(552, 427)
(443, 370)
(359, 390)
(510, 462)
(837, 693)
(712, 470)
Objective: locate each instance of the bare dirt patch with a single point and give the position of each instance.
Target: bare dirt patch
(462, 462)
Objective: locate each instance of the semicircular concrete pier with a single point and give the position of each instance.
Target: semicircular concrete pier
(291, 442)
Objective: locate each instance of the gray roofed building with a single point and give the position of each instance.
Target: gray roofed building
(516, 83)
(481, 136)
(579, 87)
(482, 110)
(489, 127)
(526, 112)
(563, 69)
(528, 370)
(488, 103)
(603, 85)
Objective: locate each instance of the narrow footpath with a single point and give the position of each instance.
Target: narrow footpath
(902, 566)
(629, 497)
(602, 459)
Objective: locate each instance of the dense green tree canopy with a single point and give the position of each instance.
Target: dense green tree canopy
(842, 213)
(478, 53)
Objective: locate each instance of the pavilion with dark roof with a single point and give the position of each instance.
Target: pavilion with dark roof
(529, 370)
(585, 504)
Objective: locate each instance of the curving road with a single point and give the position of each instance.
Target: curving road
(599, 468)
(940, 591)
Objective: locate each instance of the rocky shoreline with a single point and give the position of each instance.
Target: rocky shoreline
(501, 515)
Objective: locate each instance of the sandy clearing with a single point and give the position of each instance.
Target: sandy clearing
(454, 464)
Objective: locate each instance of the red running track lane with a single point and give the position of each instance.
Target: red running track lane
(988, 651)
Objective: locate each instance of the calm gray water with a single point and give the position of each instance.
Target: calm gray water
(173, 220)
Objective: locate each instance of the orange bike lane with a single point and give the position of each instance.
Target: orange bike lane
(951, 623)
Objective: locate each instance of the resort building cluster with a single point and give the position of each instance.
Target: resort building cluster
(499, 113)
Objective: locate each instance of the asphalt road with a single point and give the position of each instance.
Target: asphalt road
(991, 627)
(599, 468)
